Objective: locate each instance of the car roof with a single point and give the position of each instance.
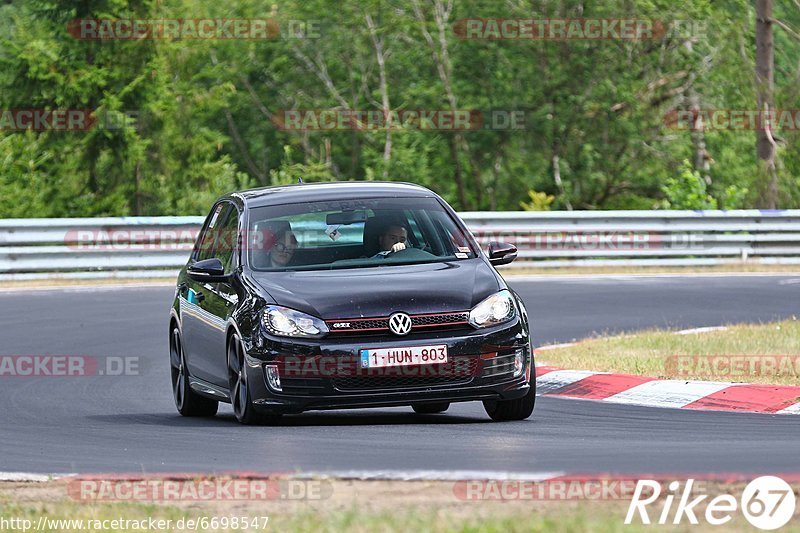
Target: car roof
(332, 190)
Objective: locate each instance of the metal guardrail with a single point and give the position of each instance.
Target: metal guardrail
(159, 246)
(644, 237)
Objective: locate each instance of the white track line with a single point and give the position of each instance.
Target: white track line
(431, 475)
(26, 476)
(668, 393)
(694, 331)
(792, 410)
(553, 381)
(84, 288)
(365, 475)
(555, 346)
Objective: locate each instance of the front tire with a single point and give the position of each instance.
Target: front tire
(242, 404)
(508, 410)
(187, 401)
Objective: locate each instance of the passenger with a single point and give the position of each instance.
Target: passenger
(282, 251)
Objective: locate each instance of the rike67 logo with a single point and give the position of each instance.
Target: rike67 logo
(767, 502)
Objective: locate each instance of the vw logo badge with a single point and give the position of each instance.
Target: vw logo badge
(400, 323)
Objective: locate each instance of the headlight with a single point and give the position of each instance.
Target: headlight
(286, 322)
(495, 309)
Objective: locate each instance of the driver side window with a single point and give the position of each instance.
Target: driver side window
(220, 236)
(228, 239)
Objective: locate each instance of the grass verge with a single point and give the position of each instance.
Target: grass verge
(358, 506)
(751, 353)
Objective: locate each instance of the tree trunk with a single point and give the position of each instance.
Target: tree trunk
(702, 159)
(559, 183)
(379, 56)
(462, 195)
(765, 143)
(137, 194)
(441, 56)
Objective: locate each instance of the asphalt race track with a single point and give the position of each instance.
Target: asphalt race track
(129, 423)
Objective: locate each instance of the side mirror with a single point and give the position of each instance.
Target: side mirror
(207, 270)
(501, 253)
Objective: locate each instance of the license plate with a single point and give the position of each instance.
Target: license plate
(405, 356)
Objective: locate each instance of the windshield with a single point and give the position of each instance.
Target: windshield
(368, 232)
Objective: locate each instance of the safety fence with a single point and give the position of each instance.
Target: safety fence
(159, 246)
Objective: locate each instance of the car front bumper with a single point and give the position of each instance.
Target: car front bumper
(324, 374)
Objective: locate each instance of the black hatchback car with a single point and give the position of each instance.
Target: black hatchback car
(346, 295)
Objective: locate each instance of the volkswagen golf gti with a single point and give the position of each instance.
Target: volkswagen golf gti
(346, 295)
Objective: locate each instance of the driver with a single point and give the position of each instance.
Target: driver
(393, 239)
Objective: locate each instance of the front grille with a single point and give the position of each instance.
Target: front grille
(302, 385)
(381, 325)
(360, 325)
(493, 367)
(456, 372)
(366, 383)
(439, 320)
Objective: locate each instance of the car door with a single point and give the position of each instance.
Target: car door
(206, 306)
(221, 299)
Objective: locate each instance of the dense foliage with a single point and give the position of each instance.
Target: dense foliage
(181, 121)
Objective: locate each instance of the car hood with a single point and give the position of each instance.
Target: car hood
(380, 291)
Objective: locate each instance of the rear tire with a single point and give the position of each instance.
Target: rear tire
(430, 408)
(507, 410)
(187, 401)
(242, 404)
